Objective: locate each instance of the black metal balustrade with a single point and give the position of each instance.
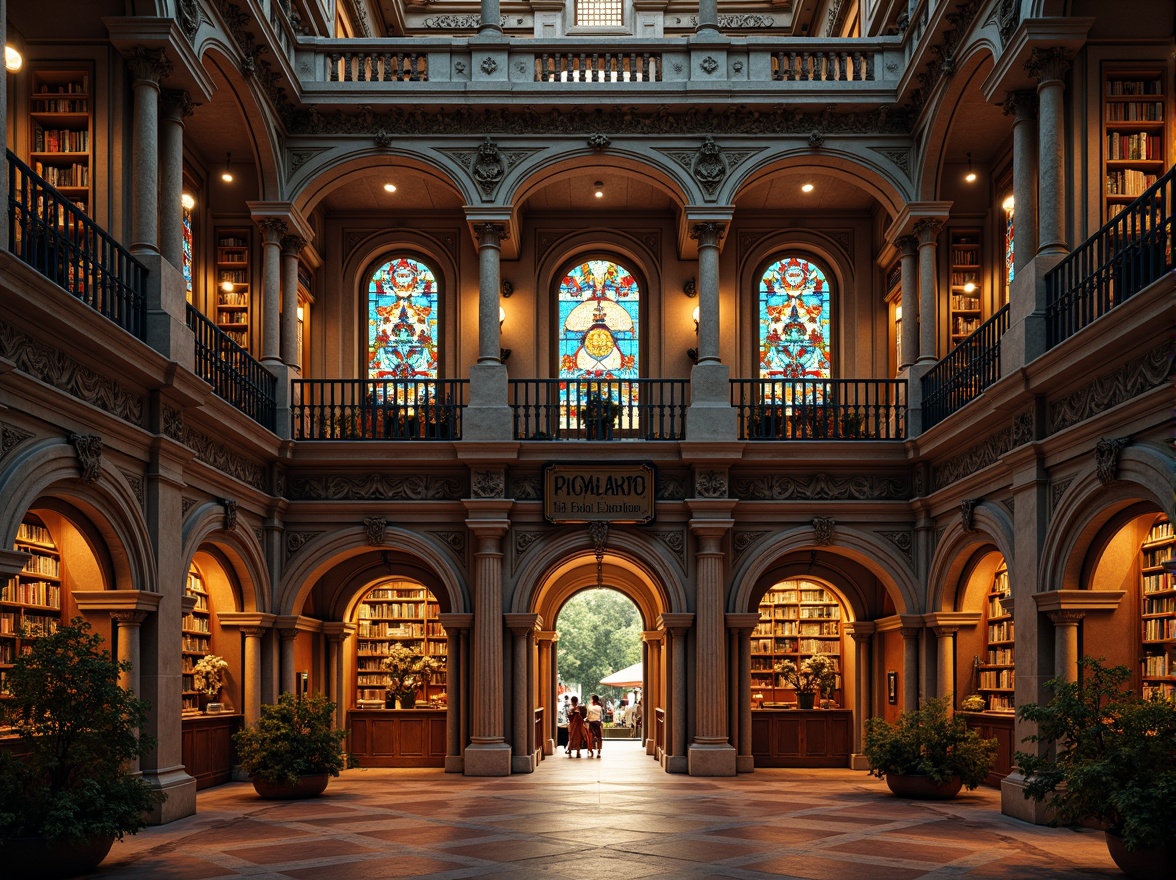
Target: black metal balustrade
(232, 372)
(967, 370)
(599, 409)
(54, 236)
(1127, 254)
(820, 409)
(377, 409)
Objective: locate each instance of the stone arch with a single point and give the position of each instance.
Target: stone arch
(551, 165)
(330, 169)
(205, 525)
(992, 525)
(49, 469)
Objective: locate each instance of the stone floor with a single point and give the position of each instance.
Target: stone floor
(612, 818)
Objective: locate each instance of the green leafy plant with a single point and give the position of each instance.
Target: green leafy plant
(1109, 755)
(815, 673)
(929, 741)
(599, 409)
(79, 732)
(407, 672)
(294, 738)
(765, 420)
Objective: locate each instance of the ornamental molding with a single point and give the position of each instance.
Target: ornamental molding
(710, 484)
(295, 159)
(376, 487)
(900, 158)
(599, 142)
(709, 165)
(744, 540)
(135, 481)
(187, 504)
(675, 541)
(89, 450)
(526, 489)
(968, 513)
(230, 507)
(11, 437)
(358, 14)
(65, 374)
(252, 64)
(259, 534)
(223, 459)
(1010, 504)
(489, 484)
(524, 541)
(736, 21)
(455, 541)
(823, 528)
(471, 22)
(986, 452)
(1106, 458)
(672, 487)
(295, 541)
(375, 527)
(188, 15)
(173, 423)
(1056, 490)
(941, 57)
(486, 164)
(1132, 379)
(823, 487)
(1008, 16)
(904, 541)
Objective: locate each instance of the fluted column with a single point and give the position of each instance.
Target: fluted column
(547, 696)
(129, 651)
(708, 236)
(272, 231)
(176, 106)
(1066, 643)
(522, 628)
(676, 625)
(945, 661)
(862, 688)
(251, 699)
(741, 627)
(908, 246)
(287, 635)
(148, 68)
(491, 18)
(651, 692)
(928, 232)
(457, 628)
(910, 667)
(1048, 67)
(490, 238)
(1022, 106)
(711, 753)
(337, 633)
(291, 247)
(488, 753)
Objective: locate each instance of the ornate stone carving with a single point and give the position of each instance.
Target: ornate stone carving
(671, 487)
(904, 541)
(259, 534)
(1047, 65)
(455, 541)
(489, 484)
(489, 66)
(177, 102)
(743, 540)
(738, 21)
(710, 484)
(375, 526)
(1023, 428)
(676, 542)
(295, 541)
(376, 487)
(1020, 104)
(230, 507)
(941, 56)
(383, 140)
(823, 527)
(1106, 458)
(1008, 17)
(526, 489)
(901, 158)
(487, 165)
(822, 487)
(1066, 618)
(469, 22)
(10, 438)
(222, 458)
(1010, 504)
(188, 15)
(816, 140)
(1056, 490)
(1132, 379)
(910, 632)
(599, 142)
(709, 165)
(89, 449)
(708, 64)
(187, 504)
(968, 513)
(524, 541)
(979, 455)
(135, 481)
(927, 229)
(65, 374)
(173, 423)
(151, 65)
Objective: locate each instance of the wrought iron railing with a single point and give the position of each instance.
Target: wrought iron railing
(599, 409)
(820, 409)
(232, 372)
(55, 237)
(967, 370)
(377, 409)
(1127, 254)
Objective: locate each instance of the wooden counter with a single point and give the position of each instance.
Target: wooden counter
(998, 726)
(397, 737)
(206, 747)
(801, 737)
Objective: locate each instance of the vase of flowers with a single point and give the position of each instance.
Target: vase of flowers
(814, 675)
(407, 672)
(208, 677)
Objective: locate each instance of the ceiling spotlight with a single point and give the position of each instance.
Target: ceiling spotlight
(12, 59)
(971, 175)
(970, 287)
(227, 174)
(808, 188)
(187, 201)
(390, 187)
(598, 190)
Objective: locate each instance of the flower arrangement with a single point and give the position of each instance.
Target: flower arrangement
(407, 672)
(209, 674)
(816, 673)
(599, 409)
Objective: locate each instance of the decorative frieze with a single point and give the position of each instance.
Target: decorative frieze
(1132, 379)
(671, 487)
(295, 541)
(526, 488)
(219, 456)
(173, 423)
(823, 487)
(377, 487)
(489, 484)
(710, 484)
(740, 21)
(979, 455)
(467, 22)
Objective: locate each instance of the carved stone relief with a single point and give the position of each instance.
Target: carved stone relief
(672, 487)
(676, 542)
(173, 423)
(979, 455)
(489, 484)
(222, 458)
(230, 507)
(968, 513)
(375, 527)
(10, 438)
(295, 541)
(89, 449)
(904, 541)
(710, 484)
(376, 487)
(1106, 458)
(487, 165)
(526, 488)
(135, 481)
(455, 541)
(744, 540)
(709, 165)
(822, 487)
(1056, 490)
(823, 527)
(1133, 378)
(187, 504)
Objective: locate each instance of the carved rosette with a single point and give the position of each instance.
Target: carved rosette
(89, 450)
(375, 526)
(489, 484)
(710, 484)
(823, 526)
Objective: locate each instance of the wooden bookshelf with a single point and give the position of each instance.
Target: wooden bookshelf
(234, 251)
(32, 600)
(404, 613)
(196, 635)
(964, 305)
(1158, 626)
(61, 128)
(1135, 145)
(997, 672)
(798, 618)
(894, 308)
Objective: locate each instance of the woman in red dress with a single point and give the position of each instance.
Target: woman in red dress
(578, 737)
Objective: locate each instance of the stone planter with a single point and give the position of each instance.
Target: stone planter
(922, 788)
(52, 859)
(1153, 863)
(305, 787)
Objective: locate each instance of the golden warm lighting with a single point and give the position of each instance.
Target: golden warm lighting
(12, 59)
(898, 313)
(227, 286)
(227, 174)
(694, 315)
(808, 188)
(301, 313)
(501, 315)
(390, 187)
(1007, 204)
(187, 201)
(970, 177)
(598, 190)
(969, 287)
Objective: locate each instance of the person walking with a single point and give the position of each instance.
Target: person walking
(578, 734)
(596, 724)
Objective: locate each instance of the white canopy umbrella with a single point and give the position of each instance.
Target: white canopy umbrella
(629, 677)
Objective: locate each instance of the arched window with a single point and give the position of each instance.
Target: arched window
(794, 320)
(402, 321)
(599, 306)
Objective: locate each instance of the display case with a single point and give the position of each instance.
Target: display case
(30, 603)
(997, 670)
(1158, 626)
(398, 613)
(798, 618)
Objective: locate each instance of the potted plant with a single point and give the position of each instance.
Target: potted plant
(1109, 757)
(598, 415)
(293, 749)
(815, 675)
(208, 677)
(852, 425)
(765, 421)
(929, 752)
(67, 792)
(407, 672)
(973, 703)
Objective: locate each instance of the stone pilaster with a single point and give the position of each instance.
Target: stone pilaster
(176, 106)
(862, 633)
(457, 629)
(1048, 67)
(676, 625)
(910, 667)
(522, 628)
(288, 633)
(337, 633)
(740, 627)
(653, 694)
(908, 246)
(148, 68)
(292, 245)
(549, 700)
(945, 661)
(1022, 106)
(928, 233)
(272, 232)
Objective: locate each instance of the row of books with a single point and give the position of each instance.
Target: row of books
(1116, 87)
(32, 593)
(60, 140)
(1128, 182)
(34, 534)
(74, 174)
(997, 678)
(1139, 145)
(1136, 111)
(1159, 629)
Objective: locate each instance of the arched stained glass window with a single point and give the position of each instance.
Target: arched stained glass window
(402, 321)
(794, 321)
(186, 253)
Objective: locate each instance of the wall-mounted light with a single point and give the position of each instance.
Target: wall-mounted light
(1007, 204)
(501, 317)
(694, 315)
(807, 188)
(187, 201)
(13, 61)
(598, 189)
(970, 177)
(692, 353)
(301, 313)
(503, 353)
(227, 174)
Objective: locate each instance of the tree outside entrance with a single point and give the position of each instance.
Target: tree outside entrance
(599, 633)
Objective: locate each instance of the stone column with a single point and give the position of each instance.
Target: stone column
(711, 753)
(490, 238)
(3, 128)
(272, 231)
(741, 627)
(708, 17)
(651, 693)
(945, 661)
(677, 626)
(148, 67)
(862, 688)
(708, 236)
(491, 18)
(908, 246)
(457, 627)
(252, 684)
(548, 699)
(1048, 66)
(128, 623)
(176, 106)
(1022, 106)
(488, 753)
(1066, 643)
(291, 247)
(910, 667)
(336, 633)
(928, 232)
(287, 634)
(522, 628)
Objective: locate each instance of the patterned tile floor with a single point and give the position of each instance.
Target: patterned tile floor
(614, 818)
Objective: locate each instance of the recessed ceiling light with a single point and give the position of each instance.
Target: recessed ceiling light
(808, 188)
(390, 187)
(598, 190)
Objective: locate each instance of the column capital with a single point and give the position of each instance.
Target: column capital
(128, 618)
(292, 245)
(253, 632)
(927, 230)
(910, 632)
(1066, 618)
(945, 631)
(652, 636)
(521, 624)
(243, 619)
(1078, 600)
(454, 623)
(177, 103)
(908, 245)
(546, 635)
(1048, 65)
(861, 637)
(1020, 104)
(708, 233)
(677, 623)
(338, 630)
(117, 601)
(490, 234)
(148, 65)
(742, 623)
(273, 229)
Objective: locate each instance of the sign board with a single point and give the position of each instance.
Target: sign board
(615, 493)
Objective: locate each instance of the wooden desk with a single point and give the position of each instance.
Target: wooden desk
(801, 737)
(998, 726)
(397, 737)
(206, 748)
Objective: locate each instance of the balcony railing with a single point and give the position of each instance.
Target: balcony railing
(1126, 255)
(55, 237)
(233, 374)
(599, 409)
(377, 409)
(967, 370)
(820, 409)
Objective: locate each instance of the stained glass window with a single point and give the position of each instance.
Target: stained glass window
(186, 219)
(1008, 206)
(794, 321)
(402, 321)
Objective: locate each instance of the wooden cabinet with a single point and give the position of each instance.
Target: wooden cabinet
(397, 613)
(32, 600)
(1000, 728)
(61, 128)
(1158, 630)
(798, 618)
(799, 738)
(998, 668)
(206, 748)
(196, 637)
(1134, 148)
(413, 738)
(964, 309)
(234, 250)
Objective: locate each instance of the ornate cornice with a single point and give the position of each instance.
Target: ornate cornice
(823, 487)
(221, 457)
(1132, 379)
(376, 487)
(986, 452)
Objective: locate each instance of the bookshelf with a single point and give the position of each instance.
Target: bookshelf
(404, 613)
(1134, 145)
(798, 618)
(964, 312)
(61, 128)
(894, 306)
(196, 637)
(1158, 629)
(233, 252)
(997, 669)
(32, 599)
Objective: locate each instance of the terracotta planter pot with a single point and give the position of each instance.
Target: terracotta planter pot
(1152, 863)
(51, 859)
(305, 787)
(922, 788)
